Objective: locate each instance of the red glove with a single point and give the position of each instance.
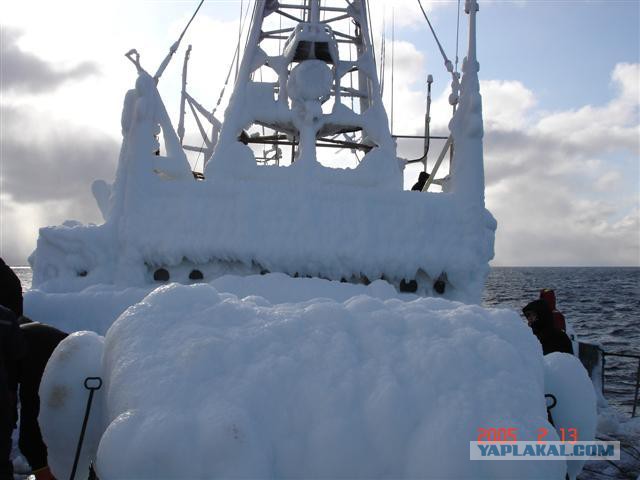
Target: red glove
(44, 474)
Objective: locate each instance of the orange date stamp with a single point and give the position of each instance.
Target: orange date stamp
(510, 434)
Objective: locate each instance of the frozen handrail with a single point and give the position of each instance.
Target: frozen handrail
(431, 178)
(637, 387)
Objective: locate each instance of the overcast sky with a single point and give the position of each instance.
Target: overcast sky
(560, 84)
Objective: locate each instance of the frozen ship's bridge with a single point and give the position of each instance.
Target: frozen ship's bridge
(245, 217)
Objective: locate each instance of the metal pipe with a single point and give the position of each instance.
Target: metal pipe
(448, 143)
(314, 11)
(92, 384)
(183, 95)
(432, 137)
(635, 396)
(604, 362)
(626, 355)
(427, 121)
(329, 144)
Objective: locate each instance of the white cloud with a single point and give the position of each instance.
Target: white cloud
(406, 13)
(611, 127)
(509, 105)
(564, 187)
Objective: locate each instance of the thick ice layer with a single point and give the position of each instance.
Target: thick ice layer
(97, 307)
(93, 309)
(330, 231)
(200, 384)
(567, 379)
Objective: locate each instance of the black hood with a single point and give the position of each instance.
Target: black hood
(10, 289)
(543, 312)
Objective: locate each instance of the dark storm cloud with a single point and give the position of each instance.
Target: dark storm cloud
(23, 72)
(56, 167)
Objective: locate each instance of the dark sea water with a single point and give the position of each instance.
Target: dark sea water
(602, 304)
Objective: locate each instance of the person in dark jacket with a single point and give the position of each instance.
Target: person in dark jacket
(40, 340)
(11, 353)
(25, 348)
(540, 319)
(422, 179)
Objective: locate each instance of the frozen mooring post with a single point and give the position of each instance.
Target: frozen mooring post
(309, 81)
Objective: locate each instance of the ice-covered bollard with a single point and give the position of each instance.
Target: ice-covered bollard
(567, 380)
(63, 400)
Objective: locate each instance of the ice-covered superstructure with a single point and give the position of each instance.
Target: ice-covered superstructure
(354, 225)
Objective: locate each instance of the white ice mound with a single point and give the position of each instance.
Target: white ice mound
(201, 384)
(567, 379)
(63, 400)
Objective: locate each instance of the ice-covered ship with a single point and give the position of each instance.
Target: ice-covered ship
(250, 369)
(307, 80)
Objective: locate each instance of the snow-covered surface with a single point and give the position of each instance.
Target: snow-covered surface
(94, 309)
(63, 400)
(200, 383)
(614, 425)
(97, 307)
(568, 381)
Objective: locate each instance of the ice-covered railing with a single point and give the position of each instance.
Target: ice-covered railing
(354, 225)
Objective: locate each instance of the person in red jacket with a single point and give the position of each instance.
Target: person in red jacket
(549, 296)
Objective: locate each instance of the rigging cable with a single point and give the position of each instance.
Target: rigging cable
(175, 46)
(235, 57)
(253, 16)
(447, 62)
(190, 20)
(239, 33)
(369, 34)
(393, 58)
(457, 36)
(351, 72)
(226, 82)
(382, 55)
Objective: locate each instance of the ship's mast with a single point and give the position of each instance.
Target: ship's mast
(310, 58)
(467, 167)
